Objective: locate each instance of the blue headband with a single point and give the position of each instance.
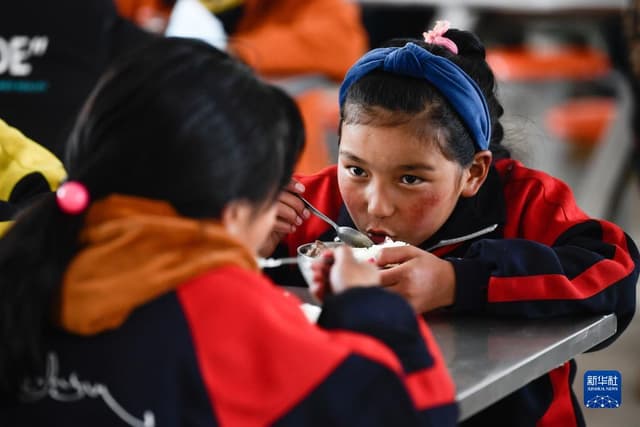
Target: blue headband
(454, 84)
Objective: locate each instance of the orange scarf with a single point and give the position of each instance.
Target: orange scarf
(136, 250)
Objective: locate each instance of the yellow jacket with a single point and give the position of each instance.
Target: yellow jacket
(20, 157)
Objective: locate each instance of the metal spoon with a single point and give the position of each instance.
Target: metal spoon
(276, 262)
(348, 235)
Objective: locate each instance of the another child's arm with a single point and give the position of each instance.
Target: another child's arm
(371, 361)
(338, 270)
(352, 303)
(374, 312)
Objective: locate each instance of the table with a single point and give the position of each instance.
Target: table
(491, 357)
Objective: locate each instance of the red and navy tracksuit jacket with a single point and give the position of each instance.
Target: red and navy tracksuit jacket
(520, 248)
(228, 348)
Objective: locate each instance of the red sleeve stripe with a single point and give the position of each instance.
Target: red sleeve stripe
(433, 386)
(555, 286)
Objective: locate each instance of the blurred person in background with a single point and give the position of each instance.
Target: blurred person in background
(305, 46)
(276, 38)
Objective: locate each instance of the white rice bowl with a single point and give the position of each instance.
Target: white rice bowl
(361, 254)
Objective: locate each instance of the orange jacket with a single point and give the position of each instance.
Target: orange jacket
(297, 37)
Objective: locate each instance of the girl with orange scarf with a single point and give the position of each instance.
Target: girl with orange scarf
(132, 295)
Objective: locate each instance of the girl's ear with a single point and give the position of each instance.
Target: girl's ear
(477, 173)
(236, 216)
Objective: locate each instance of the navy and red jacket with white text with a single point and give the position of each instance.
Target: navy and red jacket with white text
(228, 348)
(521, 247)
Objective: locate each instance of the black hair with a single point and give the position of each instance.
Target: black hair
(178, 121)
(390, 99)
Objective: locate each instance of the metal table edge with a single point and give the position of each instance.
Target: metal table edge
(486, 393)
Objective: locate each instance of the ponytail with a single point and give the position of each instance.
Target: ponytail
(33, 257)
(471, 58)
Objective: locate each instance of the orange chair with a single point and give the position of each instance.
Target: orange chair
(594, 126)
(582, 121)
(542, 64)
(320, 114)
(579, 121)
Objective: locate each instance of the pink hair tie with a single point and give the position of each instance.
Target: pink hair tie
(436, 36)
(72, 197)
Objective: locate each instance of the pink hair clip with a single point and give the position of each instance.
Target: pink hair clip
(436, 36)
(72, 197)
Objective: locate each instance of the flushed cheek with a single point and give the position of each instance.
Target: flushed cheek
(417, 211)
(421, 218)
